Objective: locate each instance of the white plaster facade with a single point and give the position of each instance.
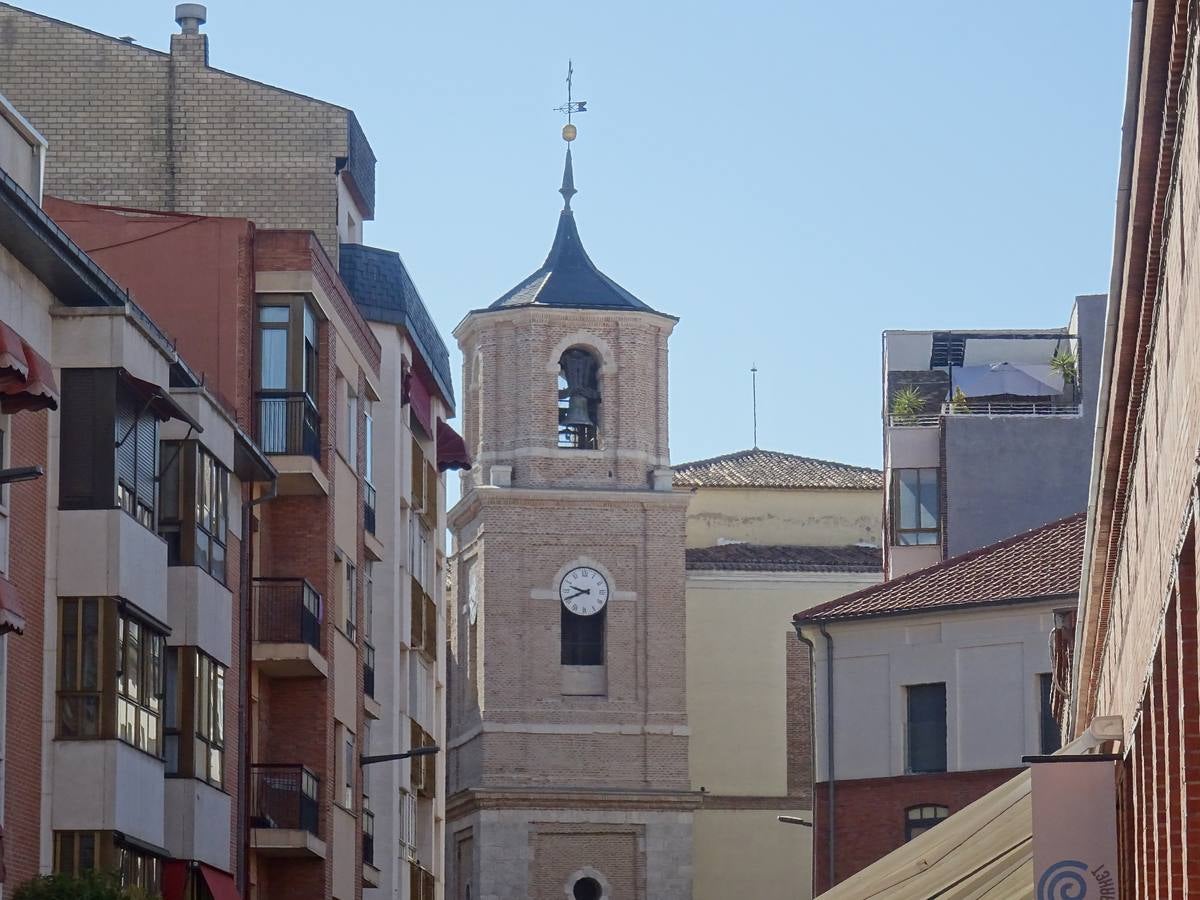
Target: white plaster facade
(989, 658)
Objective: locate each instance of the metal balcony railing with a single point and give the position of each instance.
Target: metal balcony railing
(984, 410)
(288, 423)
(284, 796)
(287, 611)
(368, 670)
(368, 507)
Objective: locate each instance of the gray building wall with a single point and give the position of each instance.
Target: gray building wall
(1007, 474)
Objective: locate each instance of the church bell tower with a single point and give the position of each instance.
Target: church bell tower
(567, 756)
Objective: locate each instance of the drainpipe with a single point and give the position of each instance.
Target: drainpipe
(812, 745)
(245, 720)
(829, 740)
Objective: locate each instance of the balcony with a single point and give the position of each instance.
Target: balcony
(287, 628)
(289, 428)
(369, 498)
(284, 811)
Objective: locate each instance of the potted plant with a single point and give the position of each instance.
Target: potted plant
(907, 404)
(1066, 364)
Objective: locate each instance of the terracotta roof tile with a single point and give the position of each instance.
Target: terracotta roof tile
(1044, 562)
(781, 558)
(771, 469)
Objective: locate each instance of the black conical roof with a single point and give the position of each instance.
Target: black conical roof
(568, 278)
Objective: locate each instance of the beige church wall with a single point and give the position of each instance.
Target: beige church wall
(760, 516)
(750, 854)
(739, 625)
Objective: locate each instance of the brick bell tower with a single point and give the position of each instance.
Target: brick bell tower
(567, 757)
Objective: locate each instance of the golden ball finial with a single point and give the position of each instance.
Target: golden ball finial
(569, 132)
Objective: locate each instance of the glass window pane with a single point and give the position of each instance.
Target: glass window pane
(273, 359)
(70, 643)
(89, 675)
(218, 731)
(906, 497)
(929, 498)
(277, 315)
(133, 660)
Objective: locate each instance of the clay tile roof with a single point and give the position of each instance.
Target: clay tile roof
(1044, 562)
(771, 469)
(778, 558)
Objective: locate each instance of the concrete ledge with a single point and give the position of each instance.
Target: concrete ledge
(290, 661)
(370, 875)
(286, 842)
(372, 707)
(300, 475)
(108, 553)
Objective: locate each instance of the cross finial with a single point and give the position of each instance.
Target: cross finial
(572, 105)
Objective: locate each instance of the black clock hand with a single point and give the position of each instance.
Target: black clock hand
(578, 593)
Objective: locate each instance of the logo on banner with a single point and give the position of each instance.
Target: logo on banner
(1068, 880)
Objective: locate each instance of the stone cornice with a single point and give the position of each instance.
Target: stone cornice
(477, 498)
(464, 803)
(541, 315)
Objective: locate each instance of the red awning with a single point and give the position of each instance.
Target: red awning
(220, 884)
(12, 614)
(451, 449)
(26, 377)
(177, 873)
(419, 401)
(174, 879)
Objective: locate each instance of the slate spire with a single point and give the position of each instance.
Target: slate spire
(568, 184)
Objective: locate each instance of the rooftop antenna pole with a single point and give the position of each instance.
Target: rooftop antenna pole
(754, 398)
(572, 105)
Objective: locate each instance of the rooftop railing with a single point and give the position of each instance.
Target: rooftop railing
(985, 409)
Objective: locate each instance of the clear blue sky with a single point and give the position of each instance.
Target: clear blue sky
(790, 178)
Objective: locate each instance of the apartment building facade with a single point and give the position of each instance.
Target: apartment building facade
(237, 254)
(118, 732)
(929, 689)
(986, 433)
(768, 533)
(1131, 649)
(176, 132)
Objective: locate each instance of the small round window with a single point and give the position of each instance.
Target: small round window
(587, 889)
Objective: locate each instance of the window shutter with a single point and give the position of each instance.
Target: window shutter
(125, 431)
(87, 438)
(147, 457)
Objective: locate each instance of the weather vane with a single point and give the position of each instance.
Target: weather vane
(571, 107)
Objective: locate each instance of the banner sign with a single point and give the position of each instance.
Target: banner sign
(1074, 827)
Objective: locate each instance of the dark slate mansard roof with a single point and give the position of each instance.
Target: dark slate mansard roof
(568, 278)
(384, 292)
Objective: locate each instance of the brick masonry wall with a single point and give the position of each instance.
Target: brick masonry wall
(23, 697)
(131, 126)
(871, 814)
(799, 721)
(510, 404)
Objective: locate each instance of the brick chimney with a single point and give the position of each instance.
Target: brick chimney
(189, 44)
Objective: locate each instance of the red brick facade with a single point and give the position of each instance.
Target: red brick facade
(871, 814)
(25, 654)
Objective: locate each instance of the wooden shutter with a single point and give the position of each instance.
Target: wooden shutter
(418, 475)
(416, 634)
(429, 511)
(87, 439)
(430, 622)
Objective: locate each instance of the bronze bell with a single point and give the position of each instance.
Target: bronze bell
(577, 411)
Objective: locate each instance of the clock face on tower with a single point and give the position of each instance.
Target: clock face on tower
(583, 591)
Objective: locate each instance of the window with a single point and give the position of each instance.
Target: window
(349, 598)
(368, 442)
(916, 505)
(76, 852)
(90, 705)
(420, 554)
(919, 819)
(208, 705)
(351, 427)
(1050, 736)
(582, 638)
(287, 376)
(79, 691)
(587, 888)
(349, 764)
(578, 400)
(368, 598)
(194, 507)
(927, 728)
(139, 684)
(408, 823)
(108, 451)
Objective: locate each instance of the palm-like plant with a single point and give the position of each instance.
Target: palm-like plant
(1066, 364)
(907, 404)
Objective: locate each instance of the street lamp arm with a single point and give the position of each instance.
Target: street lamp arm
(390, 757)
